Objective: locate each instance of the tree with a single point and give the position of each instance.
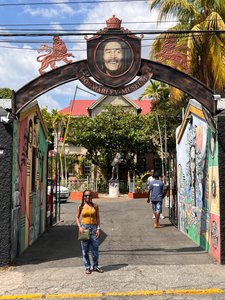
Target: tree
(114, 130)
(56, 124)
(201, 55)
(167, 115)
(5, 93)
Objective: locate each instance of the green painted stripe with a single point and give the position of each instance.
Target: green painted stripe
(114, 294)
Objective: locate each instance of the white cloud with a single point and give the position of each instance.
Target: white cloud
(137, 16)
(50, 12)
(48, 100)
(18, 67)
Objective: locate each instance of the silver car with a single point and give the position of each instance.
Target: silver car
(63, 192)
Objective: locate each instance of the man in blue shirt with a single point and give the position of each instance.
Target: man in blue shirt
(156, 193)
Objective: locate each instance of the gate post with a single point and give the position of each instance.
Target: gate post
(6, 146)
(221, 164)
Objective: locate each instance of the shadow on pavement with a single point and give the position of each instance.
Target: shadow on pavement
(114, 267)
(57, 243)
(158, 250)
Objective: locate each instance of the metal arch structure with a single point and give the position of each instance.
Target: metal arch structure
(71, 72)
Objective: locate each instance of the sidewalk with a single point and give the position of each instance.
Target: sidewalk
(134, 255)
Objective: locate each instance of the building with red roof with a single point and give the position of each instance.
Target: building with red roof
(78, 108)
(92, 107)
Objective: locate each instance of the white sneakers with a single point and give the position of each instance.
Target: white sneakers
(161, 216)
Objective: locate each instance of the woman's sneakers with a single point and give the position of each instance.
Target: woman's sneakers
(88, 271)
(98, 269)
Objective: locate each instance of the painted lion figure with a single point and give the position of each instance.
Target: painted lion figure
(55, 53)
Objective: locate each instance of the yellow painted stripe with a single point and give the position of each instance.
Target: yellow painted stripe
(199, 292)
(61, 296)
(114, 294)
(134, 293)
(27, 296)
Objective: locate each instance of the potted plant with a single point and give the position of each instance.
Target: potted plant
(140, 187)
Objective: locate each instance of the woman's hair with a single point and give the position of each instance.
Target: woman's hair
(83, 201)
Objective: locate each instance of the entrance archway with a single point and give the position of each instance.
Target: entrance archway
(70, 72)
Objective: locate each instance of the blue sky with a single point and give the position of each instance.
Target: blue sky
(18, 64)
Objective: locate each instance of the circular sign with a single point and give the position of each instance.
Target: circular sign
(114, 57)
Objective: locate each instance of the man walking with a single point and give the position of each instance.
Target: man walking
(156, 192)
(149, 180)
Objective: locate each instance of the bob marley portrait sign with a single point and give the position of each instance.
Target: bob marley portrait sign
(113, 60)
(114, 57)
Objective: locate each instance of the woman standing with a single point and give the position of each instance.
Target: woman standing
(90, 219)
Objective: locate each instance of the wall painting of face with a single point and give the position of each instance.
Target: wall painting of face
(114, 57)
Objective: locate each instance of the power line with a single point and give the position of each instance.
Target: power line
(54, 31)
(99, 23)
(79, 42)
(173, 32)
(71, 2)
(88, 23)
(82, 41)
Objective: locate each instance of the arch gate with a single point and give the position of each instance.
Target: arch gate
(82, 70)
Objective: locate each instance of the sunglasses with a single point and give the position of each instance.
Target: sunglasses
(88, 196)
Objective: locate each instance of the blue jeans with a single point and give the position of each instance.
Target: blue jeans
(92, 245)
(157, 207)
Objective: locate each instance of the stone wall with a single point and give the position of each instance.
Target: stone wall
(221, 157)
(6, 134)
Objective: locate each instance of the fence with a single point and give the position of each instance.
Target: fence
(134, 186)
(96, 186)
(82, 184)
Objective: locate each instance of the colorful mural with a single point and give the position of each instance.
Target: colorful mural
(29, 180)
(198, 182)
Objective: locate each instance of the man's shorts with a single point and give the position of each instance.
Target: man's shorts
(157, 207)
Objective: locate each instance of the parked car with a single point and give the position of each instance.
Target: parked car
(63, 192)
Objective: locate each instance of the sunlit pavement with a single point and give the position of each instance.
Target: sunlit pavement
(140, 262)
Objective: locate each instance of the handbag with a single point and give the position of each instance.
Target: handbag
(85, 235)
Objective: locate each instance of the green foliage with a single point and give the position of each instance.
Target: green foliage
(48, 122)
(5, 93)
(140, 182)
(166, 111)
(54, 122)
(71, 159)
(114, 130)
(202, 54)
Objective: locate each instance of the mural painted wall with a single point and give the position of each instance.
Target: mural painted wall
(29, 180)
(198, 183)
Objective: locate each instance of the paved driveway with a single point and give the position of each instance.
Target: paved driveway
(134, 255)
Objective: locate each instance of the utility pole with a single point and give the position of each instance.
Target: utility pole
(161, 145)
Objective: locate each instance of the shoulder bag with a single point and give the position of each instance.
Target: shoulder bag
(85, 235)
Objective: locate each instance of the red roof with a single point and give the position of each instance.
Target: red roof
(80, 107)
(145, 105)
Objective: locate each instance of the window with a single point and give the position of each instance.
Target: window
(87, 169)
(158, 164)
(33, 183)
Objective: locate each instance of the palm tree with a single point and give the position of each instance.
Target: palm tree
(199, 54)
(157, 91)
(163, 108)
(56, 124)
